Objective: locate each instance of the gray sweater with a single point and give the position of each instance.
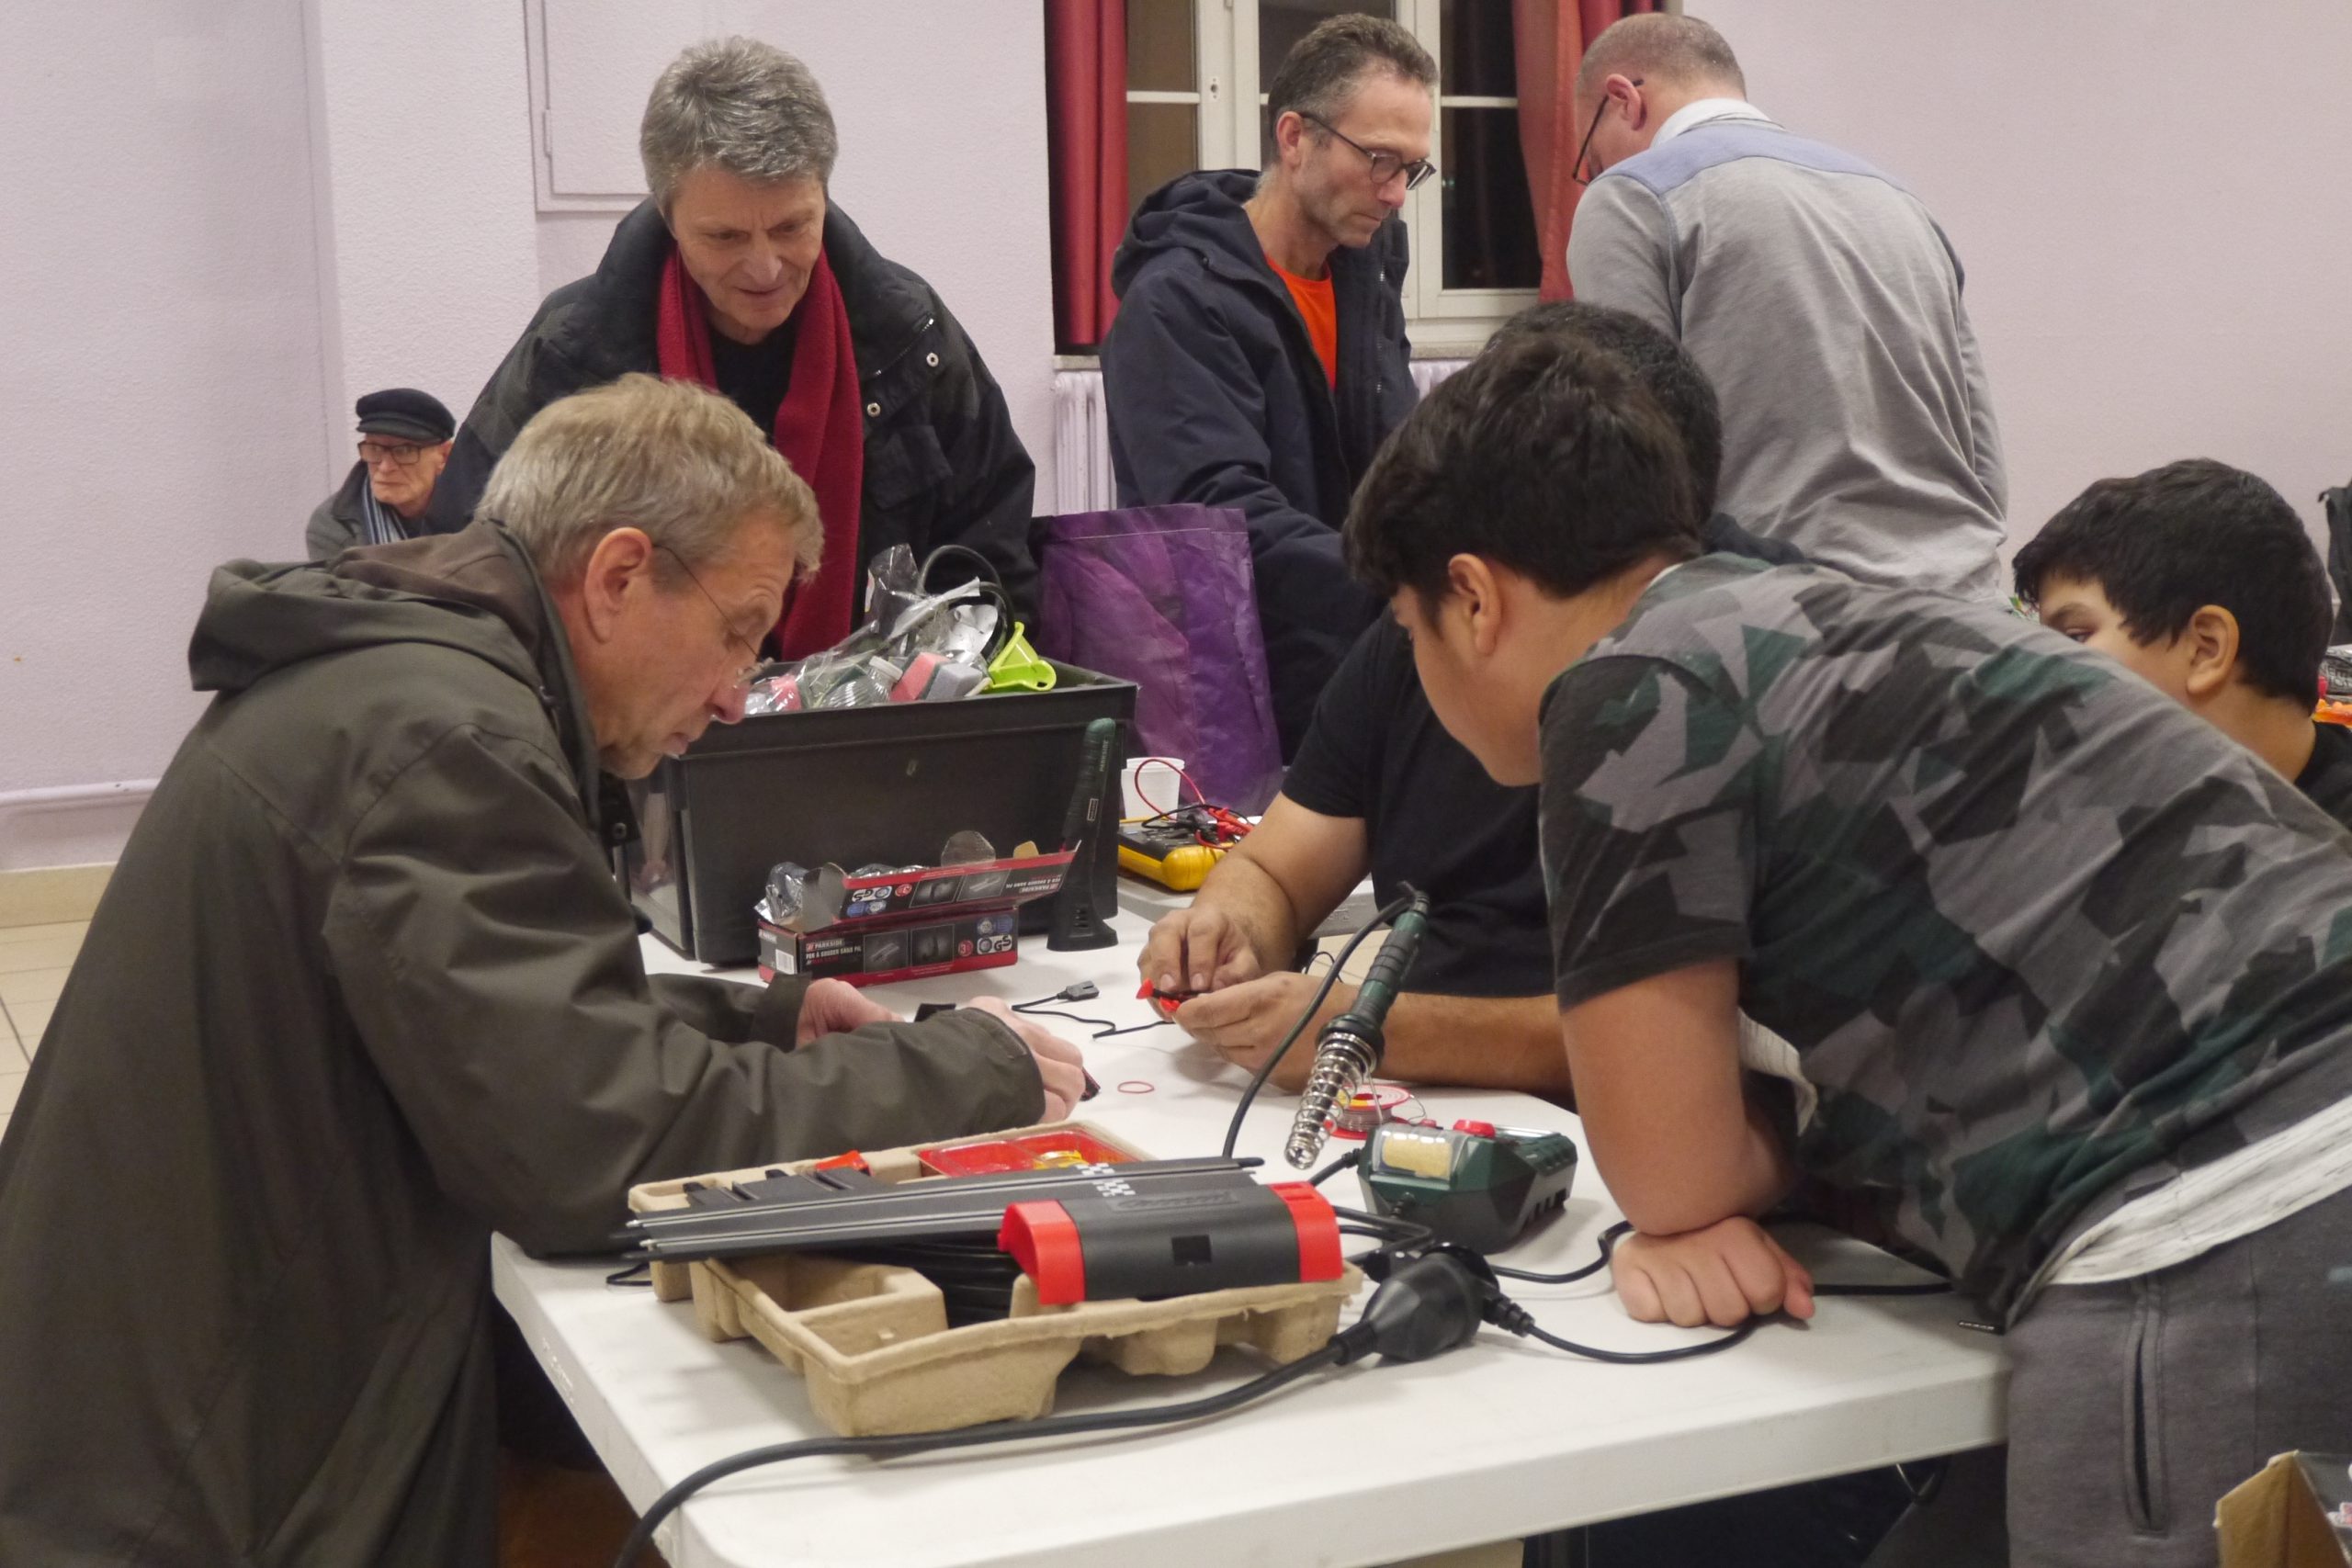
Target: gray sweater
(1824, 304)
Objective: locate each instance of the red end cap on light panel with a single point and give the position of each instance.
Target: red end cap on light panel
(1042, 1239)
(1318, 1230)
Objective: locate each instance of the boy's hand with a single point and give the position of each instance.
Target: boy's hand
(1720, 1274)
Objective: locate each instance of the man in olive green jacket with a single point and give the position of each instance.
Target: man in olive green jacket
(362, 990)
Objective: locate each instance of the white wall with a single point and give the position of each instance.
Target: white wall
(429, 262)
(2153, 199)
(162, 406)
(232, 217)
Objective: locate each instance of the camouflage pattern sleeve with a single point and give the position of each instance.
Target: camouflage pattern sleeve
(2031, 926)
(1650, 823)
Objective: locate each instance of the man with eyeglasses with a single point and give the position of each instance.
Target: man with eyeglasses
(363, 990)
(1819, 297)
(1259, 356)
(403, 442)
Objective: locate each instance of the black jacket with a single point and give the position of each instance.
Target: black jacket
(1215, 395)
(942, 461)
(363, 988)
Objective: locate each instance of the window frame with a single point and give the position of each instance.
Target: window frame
(1444, 322)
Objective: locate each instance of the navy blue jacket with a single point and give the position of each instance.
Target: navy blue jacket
(1215, 395)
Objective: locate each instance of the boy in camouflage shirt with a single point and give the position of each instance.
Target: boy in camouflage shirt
(2070, 971)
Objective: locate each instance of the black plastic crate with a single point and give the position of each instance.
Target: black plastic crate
(862, 785)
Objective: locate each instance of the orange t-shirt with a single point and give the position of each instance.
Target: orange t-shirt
(1316, 308)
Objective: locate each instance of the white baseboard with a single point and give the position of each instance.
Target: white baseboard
(48, 895)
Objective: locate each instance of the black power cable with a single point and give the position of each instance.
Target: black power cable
(1509, 1314)
(1608, 1239)
(1084, 991)
(971, 1437)
(1428, 1306)
(1103, 1028)
(1387, 912)
(1821, 1288)
(1348, 1161)
(1506, 1314)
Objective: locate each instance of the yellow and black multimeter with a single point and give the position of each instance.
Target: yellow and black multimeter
(1161, 852)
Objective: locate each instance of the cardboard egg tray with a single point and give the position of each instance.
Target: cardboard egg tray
(872, 1340)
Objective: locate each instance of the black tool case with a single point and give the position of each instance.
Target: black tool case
(862, 785)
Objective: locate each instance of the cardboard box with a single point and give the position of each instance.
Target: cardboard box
(934, 920)
(873, 1342)
(870, 954)
(979, 884)
(2296, 1514)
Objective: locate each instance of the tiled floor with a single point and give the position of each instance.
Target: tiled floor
(33, 963)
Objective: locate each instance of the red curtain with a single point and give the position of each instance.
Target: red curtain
(1086, 151)
(1550, 36)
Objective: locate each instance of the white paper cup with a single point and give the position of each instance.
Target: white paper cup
(1150, 784)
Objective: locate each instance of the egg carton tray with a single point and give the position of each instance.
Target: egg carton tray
(873, 1343)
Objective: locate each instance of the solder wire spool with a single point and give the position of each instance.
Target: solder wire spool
(1366, 1108)
(1348, 1053)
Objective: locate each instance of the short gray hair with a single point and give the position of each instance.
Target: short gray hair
(1322, 71)
(741, 106)
(677, 460)
(1682, 50)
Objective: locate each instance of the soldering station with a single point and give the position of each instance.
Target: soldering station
(1061, 1218)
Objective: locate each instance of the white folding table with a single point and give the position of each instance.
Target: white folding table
(1369, 1464)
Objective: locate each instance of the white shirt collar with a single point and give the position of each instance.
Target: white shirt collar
(1702, 110)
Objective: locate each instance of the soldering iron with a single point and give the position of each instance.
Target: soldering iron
(1350, 1048)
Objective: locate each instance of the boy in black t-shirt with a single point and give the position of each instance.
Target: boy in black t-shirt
(1378, 786)
(2198, 578)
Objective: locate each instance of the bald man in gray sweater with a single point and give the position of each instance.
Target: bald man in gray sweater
(1820, 297)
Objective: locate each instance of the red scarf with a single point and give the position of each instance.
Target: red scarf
(818, 428)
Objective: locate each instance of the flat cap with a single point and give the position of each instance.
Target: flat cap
(405, 412)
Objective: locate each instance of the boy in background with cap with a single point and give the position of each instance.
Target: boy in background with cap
(403, 442)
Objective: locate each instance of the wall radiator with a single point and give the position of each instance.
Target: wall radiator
(1082, 433)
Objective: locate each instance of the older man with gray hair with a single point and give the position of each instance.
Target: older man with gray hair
(740, 272)
(1820, 297)
(363, 990)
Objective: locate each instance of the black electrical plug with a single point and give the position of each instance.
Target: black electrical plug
(1425, 1307)
(1504, 1313)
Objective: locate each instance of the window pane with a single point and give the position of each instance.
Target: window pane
(1489, 218)
(1159, 46)
(1280, 24)
(1475, 54)
(1162, 142)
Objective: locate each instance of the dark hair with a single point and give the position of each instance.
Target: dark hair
(2162, 544)
(1321, 71)
(1547, 457)
(1668, 373)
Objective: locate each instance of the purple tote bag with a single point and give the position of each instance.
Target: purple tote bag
(1163, 596)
